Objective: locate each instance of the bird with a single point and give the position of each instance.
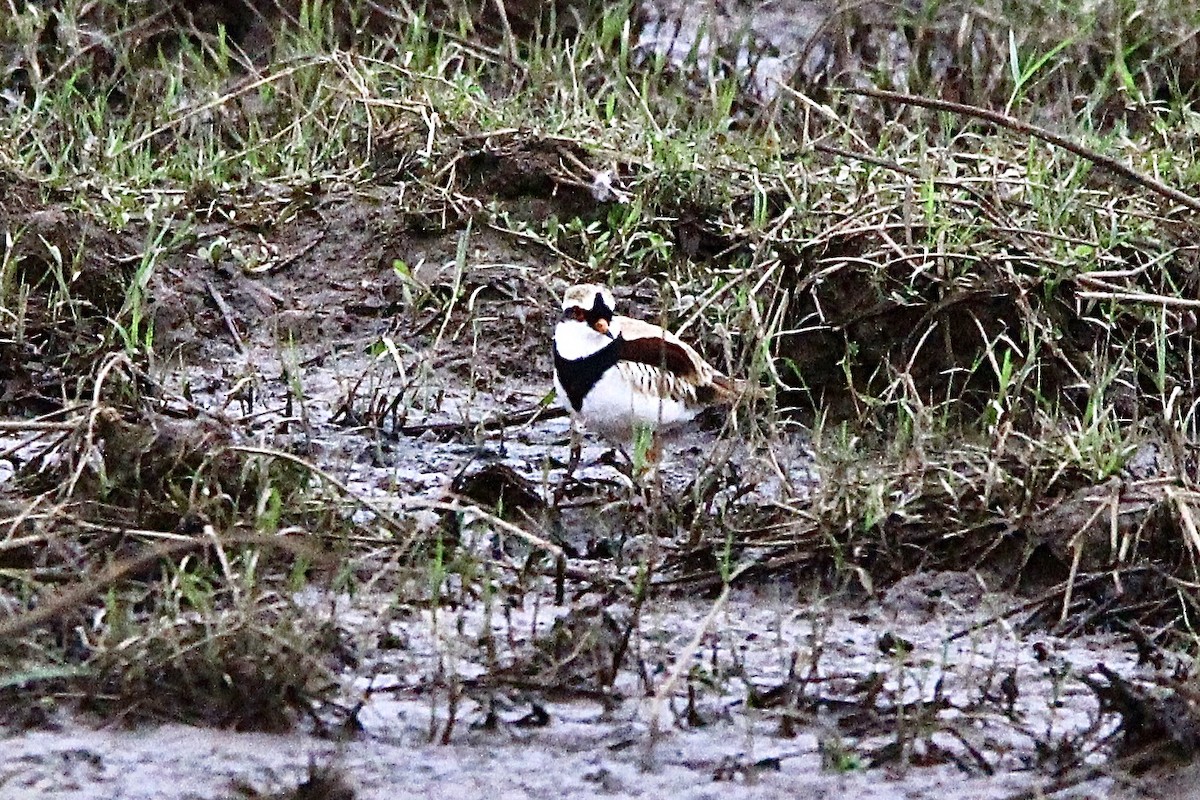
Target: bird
(623, 377)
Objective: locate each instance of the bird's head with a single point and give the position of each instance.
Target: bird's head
(586, 322)
(591, 305)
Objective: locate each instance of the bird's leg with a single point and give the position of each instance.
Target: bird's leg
(572, 463)
(576, 451)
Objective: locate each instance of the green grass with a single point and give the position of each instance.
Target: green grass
(973, 323)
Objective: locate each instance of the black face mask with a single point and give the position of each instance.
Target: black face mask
(600, 311)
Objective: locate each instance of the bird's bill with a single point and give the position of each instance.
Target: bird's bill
(601, 326)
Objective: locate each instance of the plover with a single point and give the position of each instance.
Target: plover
(621, 376)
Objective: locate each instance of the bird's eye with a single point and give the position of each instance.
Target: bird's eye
(578, 314)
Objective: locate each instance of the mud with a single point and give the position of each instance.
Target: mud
(544, 715)
(520, 744)
(386, 351)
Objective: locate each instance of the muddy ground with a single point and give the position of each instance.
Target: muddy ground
(478, 621)
(775, 690)
(552, 747)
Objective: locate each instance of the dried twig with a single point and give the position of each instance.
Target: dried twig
(227, 315)
(407, 504)
(525, 416)
(1029, 129)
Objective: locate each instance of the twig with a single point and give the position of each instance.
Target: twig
(1122, 770)
(1044, 597)
(826, 112)
(1141, 297)
(392, 522)
(227, 315)
(684, 661)
(1029, 129)
(529, 237)
(31, 426)
(407, 504)
(510, 40)
(421, 504)
(496, 422)
(269, 268)
(17, 521)
(54, 605)
(95, 410)
(911, 173)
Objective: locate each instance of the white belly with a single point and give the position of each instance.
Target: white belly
(616, 408)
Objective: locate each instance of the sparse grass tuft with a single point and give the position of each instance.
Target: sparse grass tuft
(253, 667)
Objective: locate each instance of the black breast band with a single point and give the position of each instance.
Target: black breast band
(578, 376)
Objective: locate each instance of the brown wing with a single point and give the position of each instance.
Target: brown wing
(684, 369)
(658, 352)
